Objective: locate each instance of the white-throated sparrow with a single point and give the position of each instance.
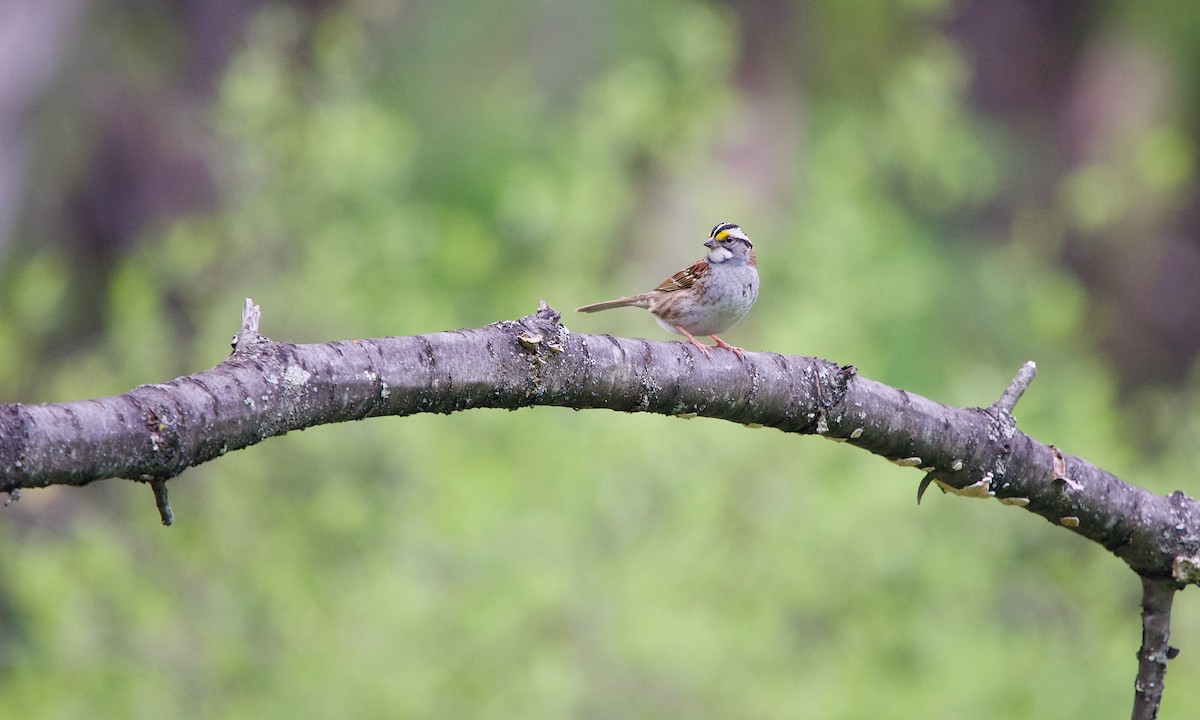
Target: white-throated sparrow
(709, 296)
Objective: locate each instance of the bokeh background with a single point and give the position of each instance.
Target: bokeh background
(938, 191)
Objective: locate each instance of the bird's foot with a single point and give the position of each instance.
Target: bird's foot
(722, 344)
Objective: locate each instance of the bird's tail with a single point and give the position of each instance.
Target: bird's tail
(642, 301)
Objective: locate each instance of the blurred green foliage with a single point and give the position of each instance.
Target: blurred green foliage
(392, 171)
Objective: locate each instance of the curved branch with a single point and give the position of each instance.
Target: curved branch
(154, 432)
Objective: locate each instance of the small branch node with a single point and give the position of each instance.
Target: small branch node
(1015, 389)
(546, 312)
(248, 334)
(160, 499)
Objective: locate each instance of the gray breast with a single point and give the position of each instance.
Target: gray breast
(731, 298)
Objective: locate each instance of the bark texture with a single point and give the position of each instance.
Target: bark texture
(154, 432)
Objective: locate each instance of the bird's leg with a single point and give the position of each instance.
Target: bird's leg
(722, 344)
(703, 348)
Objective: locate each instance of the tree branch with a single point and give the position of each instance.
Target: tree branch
(1157, 596)
(154, 432)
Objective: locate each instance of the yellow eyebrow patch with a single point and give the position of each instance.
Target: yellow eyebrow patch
(721, 235)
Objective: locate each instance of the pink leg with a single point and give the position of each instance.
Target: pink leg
(703, 348)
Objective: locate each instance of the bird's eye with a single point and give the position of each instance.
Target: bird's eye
(727, 239)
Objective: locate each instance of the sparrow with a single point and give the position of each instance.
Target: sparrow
(707, 297)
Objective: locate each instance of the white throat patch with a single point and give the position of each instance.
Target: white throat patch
(719, 254)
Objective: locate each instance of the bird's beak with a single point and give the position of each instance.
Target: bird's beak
(710, 243)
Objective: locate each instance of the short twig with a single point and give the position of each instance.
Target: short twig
(248, 334)
(1015, 389)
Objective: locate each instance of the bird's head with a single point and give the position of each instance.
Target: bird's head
(728, 241)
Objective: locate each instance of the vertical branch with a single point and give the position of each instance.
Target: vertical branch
(1157, 596)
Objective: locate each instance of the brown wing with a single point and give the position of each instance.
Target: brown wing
(685, 278)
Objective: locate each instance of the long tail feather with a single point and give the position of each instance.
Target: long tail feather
(642, 301)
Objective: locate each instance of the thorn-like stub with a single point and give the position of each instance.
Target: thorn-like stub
(248, 334)
(251, 314)
(1069, 521)
(164, 504)
(545, 312)
(925, 483)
